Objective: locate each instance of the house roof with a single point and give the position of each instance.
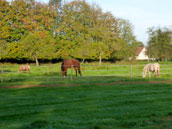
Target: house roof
(139, 50)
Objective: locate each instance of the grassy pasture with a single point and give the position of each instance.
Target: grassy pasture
(51, 74)
(88, 102)
(88, 106)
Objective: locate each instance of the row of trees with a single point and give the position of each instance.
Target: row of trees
(33, 31)
(160, 43)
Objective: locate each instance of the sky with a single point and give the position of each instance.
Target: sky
(142, 14)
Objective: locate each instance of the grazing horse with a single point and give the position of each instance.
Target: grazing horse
(70, 63)
(24, 68)
(151, 68)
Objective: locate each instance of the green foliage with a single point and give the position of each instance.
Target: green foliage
(160, 43)
(37, 45)
(123, 50)
(125, 31)
(55, 2)
(74, 29)
(3, 48)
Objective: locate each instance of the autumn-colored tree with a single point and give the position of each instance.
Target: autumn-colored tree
(3, 49)
(5, 27)
(102, 34)
(73, 29)
(76, 29)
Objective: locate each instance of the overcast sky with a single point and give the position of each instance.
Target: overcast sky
(141, 13)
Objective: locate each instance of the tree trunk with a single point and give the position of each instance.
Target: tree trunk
(100, 59)
(83, 60)
(36, 60)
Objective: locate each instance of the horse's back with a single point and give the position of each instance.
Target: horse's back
(157, 66)
(70, 62)
(67, 63)
(75, 62)
(24, 68)
(152, 67)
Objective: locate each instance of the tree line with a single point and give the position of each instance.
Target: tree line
(160, 43)
(30, 30)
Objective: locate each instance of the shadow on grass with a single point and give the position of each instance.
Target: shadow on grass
(5, 71)
(54, 79)
(33, 78)
(37, 125)
(42, 124)
(52, 74)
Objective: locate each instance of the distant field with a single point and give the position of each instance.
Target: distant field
(106, 97)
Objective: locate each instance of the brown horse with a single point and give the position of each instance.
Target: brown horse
(24, 68)
(70, 63)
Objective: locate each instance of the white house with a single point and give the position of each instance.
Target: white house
(141, 54)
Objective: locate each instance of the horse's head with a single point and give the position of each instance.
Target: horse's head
(143, 74)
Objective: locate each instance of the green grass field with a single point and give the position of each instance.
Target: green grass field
(101, 99)
(51, 74)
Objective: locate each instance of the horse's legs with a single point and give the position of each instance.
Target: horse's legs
(149, 74)
(75, 71)
(158, 73)
(64, 73)
(79, 71)
(144, 74)
(28, 70)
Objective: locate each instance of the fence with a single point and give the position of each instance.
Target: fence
(54, 72)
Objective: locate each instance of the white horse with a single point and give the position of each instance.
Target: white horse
(151, 68)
